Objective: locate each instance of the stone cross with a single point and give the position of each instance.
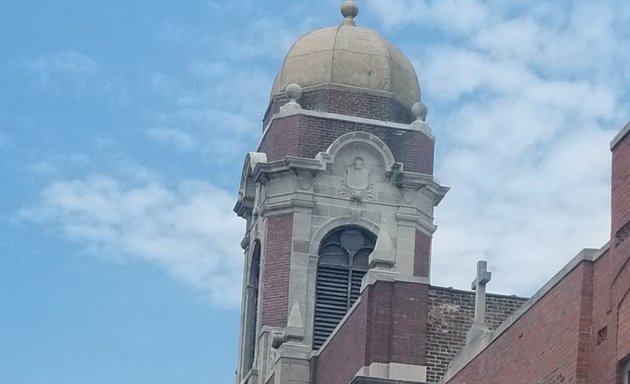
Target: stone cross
(479, 285)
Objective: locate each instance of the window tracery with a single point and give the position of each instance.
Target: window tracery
(343, 261)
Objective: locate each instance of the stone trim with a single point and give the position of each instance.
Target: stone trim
(417, 222)
(288, 206)
(360, 137)
(375, 275)
(321, 232)
(620, 136)
(251, 377)
(374, 380)
(472, 350)
(416, 126)
(392, 373)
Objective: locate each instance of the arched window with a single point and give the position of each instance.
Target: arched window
(343, 261)
(252, 308)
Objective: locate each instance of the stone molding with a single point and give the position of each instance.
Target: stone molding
(416, 126)
(251, 377)
(620, 136)
(288, 206)
(417, 221)
(391, 373)
(375, 275)
(297, 165)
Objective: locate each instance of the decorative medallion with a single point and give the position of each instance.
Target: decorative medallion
(408, 195)
(356, 183)
(305, 181)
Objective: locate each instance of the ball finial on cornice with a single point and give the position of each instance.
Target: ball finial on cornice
(349, 10)
(420, 111)
(294, 92)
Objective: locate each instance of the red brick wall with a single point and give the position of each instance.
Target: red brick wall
(619, 269)
(344, 355)
(282, 139)
(350, 102)
(408, 323)
(604, 324)
(450, 316)
(548, 344)
(396, 330)
(620, 185)
(422, 255)
(388, 325)
(275, 294)
(623, 332)
(306, 136)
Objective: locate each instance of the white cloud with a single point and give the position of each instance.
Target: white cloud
(189, 231)
(454, 16)
(66, 64)
(53, 165)
(528, 96)
(75, 74)
(179, 138)
(210, 112)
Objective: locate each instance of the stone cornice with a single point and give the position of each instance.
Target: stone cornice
(285, 207)
(416, 126)
(290, 163)
(416, 221)
(419, 181)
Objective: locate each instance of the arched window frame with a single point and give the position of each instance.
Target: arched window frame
(338, 281)
(253, 287)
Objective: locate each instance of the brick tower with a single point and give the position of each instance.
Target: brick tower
(339, 201)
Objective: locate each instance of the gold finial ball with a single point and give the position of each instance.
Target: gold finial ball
(349, 9)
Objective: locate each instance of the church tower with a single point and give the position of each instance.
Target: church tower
(338, 201)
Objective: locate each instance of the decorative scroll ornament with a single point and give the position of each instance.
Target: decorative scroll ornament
(356, 183)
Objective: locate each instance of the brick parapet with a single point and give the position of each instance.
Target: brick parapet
(603, 323)
(396, 323)
(450, 316)
(350, 101)
(546, 344)
(620, 201)
(387, 325)
(305, 136)
(345, 353)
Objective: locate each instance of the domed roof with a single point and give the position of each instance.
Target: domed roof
(349, 55)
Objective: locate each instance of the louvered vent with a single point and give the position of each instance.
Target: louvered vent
(343, 260)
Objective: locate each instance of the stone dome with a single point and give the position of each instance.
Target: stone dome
(352, 56)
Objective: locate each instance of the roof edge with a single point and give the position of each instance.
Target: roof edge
(475, 348)
(620, 136)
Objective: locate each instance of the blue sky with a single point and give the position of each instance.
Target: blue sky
(124, 124)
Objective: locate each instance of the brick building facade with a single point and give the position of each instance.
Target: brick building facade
(338, 201)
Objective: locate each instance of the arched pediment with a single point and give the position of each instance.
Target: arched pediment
(247, 190)
(357, 142)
